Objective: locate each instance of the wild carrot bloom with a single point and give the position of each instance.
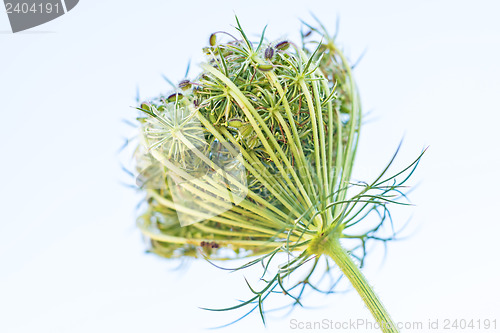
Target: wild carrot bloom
(253, 158)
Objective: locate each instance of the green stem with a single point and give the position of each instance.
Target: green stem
(359, 282)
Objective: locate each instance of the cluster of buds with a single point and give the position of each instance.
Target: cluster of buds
(255, 155)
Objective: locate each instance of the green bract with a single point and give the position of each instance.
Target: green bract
(254, 158)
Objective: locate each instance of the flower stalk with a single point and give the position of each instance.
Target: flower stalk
(334, 249)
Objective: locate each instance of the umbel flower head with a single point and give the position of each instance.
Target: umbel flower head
(253, 158)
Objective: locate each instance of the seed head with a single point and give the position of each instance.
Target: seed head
(212, 40)
(269, 53)
(283, 45)
(264, 67)
(185, 84)
(257, 158)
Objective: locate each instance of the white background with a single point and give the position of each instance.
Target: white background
(71, 259)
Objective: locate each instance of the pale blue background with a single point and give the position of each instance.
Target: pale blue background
(71, 259)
